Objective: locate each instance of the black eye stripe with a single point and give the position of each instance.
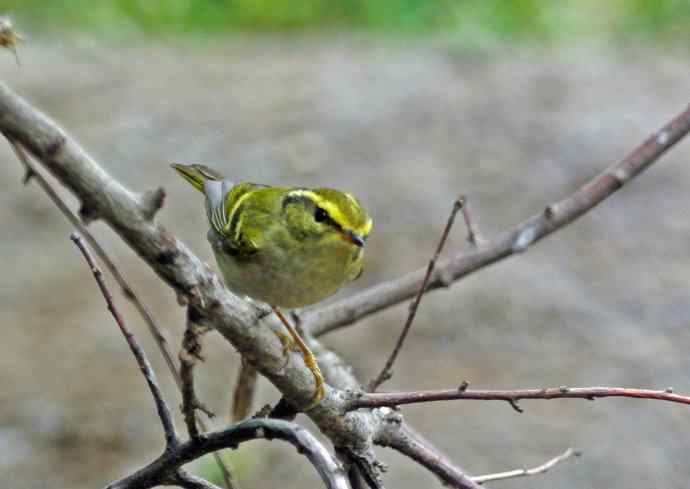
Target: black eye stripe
(321, 215)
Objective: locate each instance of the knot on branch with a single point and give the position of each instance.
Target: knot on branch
(151, 202)
(88, 212)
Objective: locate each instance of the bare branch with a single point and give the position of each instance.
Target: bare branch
(403, 439)
(137, 351)
(392, 399)
(540, 469)
(164, 468)
(127, 290)
(387, 371)
(555, 216)
(245, 325)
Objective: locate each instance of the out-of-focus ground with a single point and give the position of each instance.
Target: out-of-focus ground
(406, 127)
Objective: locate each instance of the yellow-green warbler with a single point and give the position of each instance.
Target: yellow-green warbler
(287, 247)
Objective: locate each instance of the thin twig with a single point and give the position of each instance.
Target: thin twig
(165, 467)
(540, 469)
(473, 236)
(127, 290)
(387, 371)
(391, 399)
(190, 481)
(139, 355)
(347, 311)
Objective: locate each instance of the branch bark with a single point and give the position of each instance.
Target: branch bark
(244, 325)
(393, 399)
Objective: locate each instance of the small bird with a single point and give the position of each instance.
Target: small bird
(287, 247)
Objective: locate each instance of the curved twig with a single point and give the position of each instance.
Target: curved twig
(164, 468)
(540, 469)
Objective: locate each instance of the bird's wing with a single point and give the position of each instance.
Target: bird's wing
(216, 192)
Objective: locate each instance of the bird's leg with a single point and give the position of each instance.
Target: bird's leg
(309, 358)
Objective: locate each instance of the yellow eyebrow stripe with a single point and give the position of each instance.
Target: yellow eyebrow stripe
(233, 209)
(333, 210)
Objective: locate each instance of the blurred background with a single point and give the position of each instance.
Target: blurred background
(406, 103)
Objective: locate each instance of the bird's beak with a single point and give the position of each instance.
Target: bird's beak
(353, 238)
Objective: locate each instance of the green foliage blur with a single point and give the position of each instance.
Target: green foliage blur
(207, 467)
(489, 20)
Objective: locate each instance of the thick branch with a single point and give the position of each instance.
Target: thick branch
(164, 469)
(392, 399)
(126, 288)
(555, 216)
(401, 438)
(393, 432)
(241, 323)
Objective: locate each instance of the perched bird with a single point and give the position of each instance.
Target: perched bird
(287, 247)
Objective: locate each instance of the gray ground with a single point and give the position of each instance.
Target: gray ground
(406, 128)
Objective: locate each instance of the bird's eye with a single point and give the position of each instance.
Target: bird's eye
(320, 215)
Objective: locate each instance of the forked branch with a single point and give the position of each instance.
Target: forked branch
(164, 470)
(387, 371)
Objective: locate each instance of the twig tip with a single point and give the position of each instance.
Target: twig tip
(514, 404)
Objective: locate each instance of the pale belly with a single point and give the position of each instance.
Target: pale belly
(305, 276)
